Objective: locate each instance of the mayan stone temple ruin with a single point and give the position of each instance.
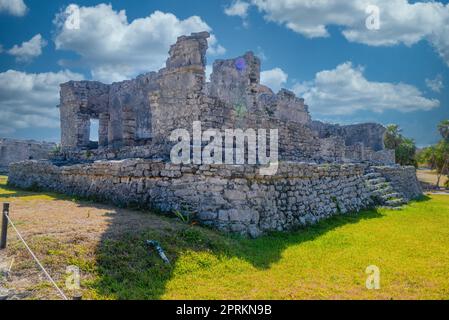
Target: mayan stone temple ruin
(323, 169)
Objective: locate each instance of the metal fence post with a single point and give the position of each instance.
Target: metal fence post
(4, 226)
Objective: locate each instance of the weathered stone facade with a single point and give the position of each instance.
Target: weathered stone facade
(12, 150)
(324, 169)
(403, 180)
(140, 114)
(371, 135)
(229, 198)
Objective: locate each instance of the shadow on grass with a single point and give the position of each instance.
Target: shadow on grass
(129, 269)
(422, 198)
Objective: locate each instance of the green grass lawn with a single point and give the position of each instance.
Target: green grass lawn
(24, 195)
(327, 261)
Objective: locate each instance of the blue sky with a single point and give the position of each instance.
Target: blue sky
(347, 73)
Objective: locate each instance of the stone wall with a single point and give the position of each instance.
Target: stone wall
(139, 111)
(229, 198)
(359, 152)
(386, 157)
(402, 179)
(370, 134)
(12, 150)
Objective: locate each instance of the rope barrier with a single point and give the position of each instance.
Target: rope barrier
(36, 259)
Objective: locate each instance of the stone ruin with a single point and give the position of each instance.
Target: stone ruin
(12, 150)
(323, 170)
(137, 116)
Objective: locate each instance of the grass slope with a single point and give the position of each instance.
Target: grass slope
(326, 261)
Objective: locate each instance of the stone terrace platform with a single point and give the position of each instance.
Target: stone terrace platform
(230, 198)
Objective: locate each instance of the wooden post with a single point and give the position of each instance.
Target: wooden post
(77, 296)
(4, 226)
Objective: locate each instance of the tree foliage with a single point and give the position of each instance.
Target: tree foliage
(405, 152)
(437, 156)
(393, 136)
(443, 128)
(405, 148)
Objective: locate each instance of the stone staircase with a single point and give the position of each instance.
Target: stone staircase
(382, 192)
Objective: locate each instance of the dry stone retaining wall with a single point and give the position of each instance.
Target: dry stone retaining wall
(229, 198)
(402, 179)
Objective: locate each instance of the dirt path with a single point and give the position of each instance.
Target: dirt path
(430, 177)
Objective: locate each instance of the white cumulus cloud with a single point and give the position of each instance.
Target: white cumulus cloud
(274, 78)
(13, 7)
(436, 85)
(29, 100)
(401, 22)
(28, 50)
(345, 90)
(237, 8)
(115, 49)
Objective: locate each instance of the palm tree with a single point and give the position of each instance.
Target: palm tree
(443, 128)
(393, 137)
(443, 149)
